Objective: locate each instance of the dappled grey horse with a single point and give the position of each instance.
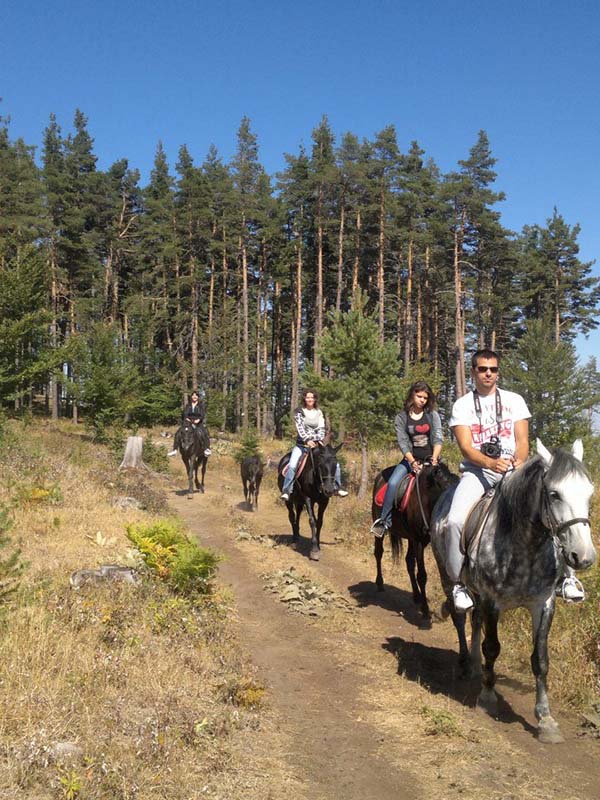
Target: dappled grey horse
(537, 525)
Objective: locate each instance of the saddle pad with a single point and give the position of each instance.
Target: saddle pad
(300, 467)
(473, 527)
(408, 484)
(404, 491)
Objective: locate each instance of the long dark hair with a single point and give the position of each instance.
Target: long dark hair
(310, 391)
(420, 386)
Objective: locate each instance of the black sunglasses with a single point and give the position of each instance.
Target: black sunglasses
(481, 370)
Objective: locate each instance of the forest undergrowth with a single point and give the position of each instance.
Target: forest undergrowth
(118, 690)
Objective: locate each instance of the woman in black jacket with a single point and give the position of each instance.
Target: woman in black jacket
(194, 412)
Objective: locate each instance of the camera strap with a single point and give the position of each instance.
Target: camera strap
(477, 402)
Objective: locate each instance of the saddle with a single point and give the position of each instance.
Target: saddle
(299, 468)
(403, 494)
(473, 527)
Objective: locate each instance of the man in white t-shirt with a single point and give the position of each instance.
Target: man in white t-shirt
(483, 416)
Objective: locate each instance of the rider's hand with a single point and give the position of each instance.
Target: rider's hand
(501, 465)
(311, 444)
(516, 462)
(416, 466)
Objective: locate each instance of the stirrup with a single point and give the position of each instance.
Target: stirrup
(379, 528)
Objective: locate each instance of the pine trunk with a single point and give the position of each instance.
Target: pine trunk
(356, 261)
(364, 468)
(340, 274)
(408, 332)
(380, 268)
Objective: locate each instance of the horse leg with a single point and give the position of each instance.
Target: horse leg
(410, 568)
(422, 579)
(459, 621)
(315, 553)
(476, 621)
(202, 461)
(245, 490)
(294, 518)
(378, 551)
(189, 468)
(488, 699)
(541, 616)
(322, 505)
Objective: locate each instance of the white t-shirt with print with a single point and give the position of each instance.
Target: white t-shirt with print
(514, 408)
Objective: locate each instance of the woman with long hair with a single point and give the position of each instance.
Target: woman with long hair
(419, 434)
(310, 427)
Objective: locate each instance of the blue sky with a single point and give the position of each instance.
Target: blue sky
(186, 72)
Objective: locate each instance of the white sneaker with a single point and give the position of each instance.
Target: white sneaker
(342, 493)
(462, 599)
(285, 496)
(379, 528)
(571, 590)
(172, 453)
(208, 452)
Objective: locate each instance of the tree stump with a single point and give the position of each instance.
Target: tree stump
(133, 453)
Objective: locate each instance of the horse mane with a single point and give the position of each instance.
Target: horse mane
(520, 497)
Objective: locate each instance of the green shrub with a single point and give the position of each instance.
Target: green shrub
(248, 446)
(186, 567)
(155, 456)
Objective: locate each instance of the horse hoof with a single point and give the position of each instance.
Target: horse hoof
(549, 732)
(488, 702)
(315, 555)
(445, 610)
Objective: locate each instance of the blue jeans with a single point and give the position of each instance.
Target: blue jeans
(397, 475)
(293, 465)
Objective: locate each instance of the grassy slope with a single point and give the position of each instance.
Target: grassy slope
(149, 685)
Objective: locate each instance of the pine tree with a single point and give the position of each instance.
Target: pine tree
(365, 393)
(558, 391)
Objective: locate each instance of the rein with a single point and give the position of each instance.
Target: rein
(421, 509)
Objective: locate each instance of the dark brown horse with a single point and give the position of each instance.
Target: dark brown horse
(192, 444)
(314, 486)
(412, 524)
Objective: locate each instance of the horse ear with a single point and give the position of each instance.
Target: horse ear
(340, 445)
(543, 452)
(577, 449)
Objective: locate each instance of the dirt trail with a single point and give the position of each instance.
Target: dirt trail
(366, 702)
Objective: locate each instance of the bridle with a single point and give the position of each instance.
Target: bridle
(316, 469)
(551, 524)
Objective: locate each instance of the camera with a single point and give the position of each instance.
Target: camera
(493, 448)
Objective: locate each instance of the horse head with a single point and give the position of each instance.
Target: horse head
(188, 436)
(439, 477)
(566, 494)
(325, 463)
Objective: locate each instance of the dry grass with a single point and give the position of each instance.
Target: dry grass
(149, 686)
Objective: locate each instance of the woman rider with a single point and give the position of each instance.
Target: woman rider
(419, 434)
(310, 425)
(194, 412)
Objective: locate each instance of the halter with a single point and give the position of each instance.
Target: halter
(316, 469)
(553, 526)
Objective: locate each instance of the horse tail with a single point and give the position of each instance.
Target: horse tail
(396, 543)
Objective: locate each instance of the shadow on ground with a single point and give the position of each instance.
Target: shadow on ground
(393, 599)
(437, 669)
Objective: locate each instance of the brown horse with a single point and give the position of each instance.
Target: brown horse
(412, 524)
